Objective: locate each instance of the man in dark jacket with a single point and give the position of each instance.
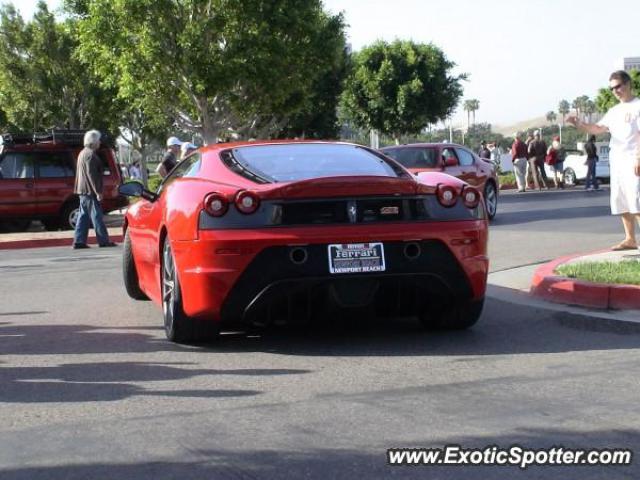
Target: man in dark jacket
(88, 186)
(538, 150)
(591, 182)
(484, 152)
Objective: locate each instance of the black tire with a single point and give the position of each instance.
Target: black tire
(69, 215)
(455, 316)
(129, 272)
(491, 199)
(569, 177)
(178, 326)
(51, 224)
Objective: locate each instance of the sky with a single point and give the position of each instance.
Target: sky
(522, 57)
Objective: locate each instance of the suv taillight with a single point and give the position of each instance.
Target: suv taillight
(247, 202)
(216, 204)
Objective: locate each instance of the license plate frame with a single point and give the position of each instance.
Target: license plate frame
(345, 258)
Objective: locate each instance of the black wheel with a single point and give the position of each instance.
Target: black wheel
(178, 326)
(69, 216)
(491, 199)
(454, 316)
(129, 273)
(8, 226)
(51, 224)
(570, 177)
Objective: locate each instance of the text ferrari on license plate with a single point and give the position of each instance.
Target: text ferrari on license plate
(356, 258)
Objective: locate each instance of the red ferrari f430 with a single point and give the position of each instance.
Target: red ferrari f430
(258, 232)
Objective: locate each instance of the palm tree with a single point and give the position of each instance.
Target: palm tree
(468, 106)
(475, 106)
(589, 109)
(563, 109)
(551, 117)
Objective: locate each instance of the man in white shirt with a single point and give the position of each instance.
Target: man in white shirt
(623, 122)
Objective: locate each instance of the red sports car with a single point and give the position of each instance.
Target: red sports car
(288, 231)
(453, 159)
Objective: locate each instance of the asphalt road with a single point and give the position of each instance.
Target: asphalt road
(89, 387)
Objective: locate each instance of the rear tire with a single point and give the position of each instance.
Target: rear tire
(129, 272)
(569, 177)
(491, 199)
(69, 216)
(455, 316)
(178, 326)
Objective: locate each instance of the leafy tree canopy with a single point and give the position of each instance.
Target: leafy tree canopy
(401, 87)
(217, 67)
(42, 83)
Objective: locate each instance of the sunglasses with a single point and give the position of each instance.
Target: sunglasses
(616, 87)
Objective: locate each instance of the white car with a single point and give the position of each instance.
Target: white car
(575, 170)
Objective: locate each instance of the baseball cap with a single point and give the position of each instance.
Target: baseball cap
(171, 141)
(188, 146)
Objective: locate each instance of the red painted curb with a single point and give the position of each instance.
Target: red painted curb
(49, 242)
(554, 288)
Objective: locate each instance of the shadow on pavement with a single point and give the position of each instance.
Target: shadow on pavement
(322, 463)
(504, 328)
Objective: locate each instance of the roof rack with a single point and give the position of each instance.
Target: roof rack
(63, 137)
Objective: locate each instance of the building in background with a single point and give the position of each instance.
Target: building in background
(630, 63)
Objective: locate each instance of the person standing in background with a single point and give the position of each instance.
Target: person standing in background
(623, 123)
(519, 159)
(591, 182)
(88, 187)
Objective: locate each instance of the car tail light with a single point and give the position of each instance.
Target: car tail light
(447, 195)
(247, 202)
(216, 204)
(470, 197)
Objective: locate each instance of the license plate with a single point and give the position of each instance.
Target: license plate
(356, 258)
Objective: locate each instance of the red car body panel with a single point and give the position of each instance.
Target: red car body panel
(476, 174)
(210, 262)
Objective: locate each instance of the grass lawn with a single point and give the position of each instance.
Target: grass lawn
(626, 271)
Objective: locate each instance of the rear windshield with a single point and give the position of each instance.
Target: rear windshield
(285, 163)
(413, 157)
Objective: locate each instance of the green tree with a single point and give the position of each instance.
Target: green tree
(399, 88)
(551, 117)
(563, 109)
(579, 104)
(605, 99)
(216, 68)
(42, 83)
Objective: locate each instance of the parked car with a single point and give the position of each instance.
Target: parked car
(256, 232)
(453, 159)
(575, 170)
(37, 175)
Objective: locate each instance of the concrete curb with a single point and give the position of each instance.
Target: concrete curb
(50, 242)
(549, 286)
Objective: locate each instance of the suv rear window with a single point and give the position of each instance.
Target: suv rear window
(284, 163)
(414, 157)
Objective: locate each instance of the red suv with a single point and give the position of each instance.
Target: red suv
(37, 175)
(453, 159)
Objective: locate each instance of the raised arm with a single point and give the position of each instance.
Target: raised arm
(592, 128)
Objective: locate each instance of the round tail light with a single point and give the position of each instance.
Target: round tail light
(447, 195)
(247, 202)
(470, 197)
(216, 204)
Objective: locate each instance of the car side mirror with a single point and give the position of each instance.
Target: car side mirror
(450, 162)
(135, 189)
